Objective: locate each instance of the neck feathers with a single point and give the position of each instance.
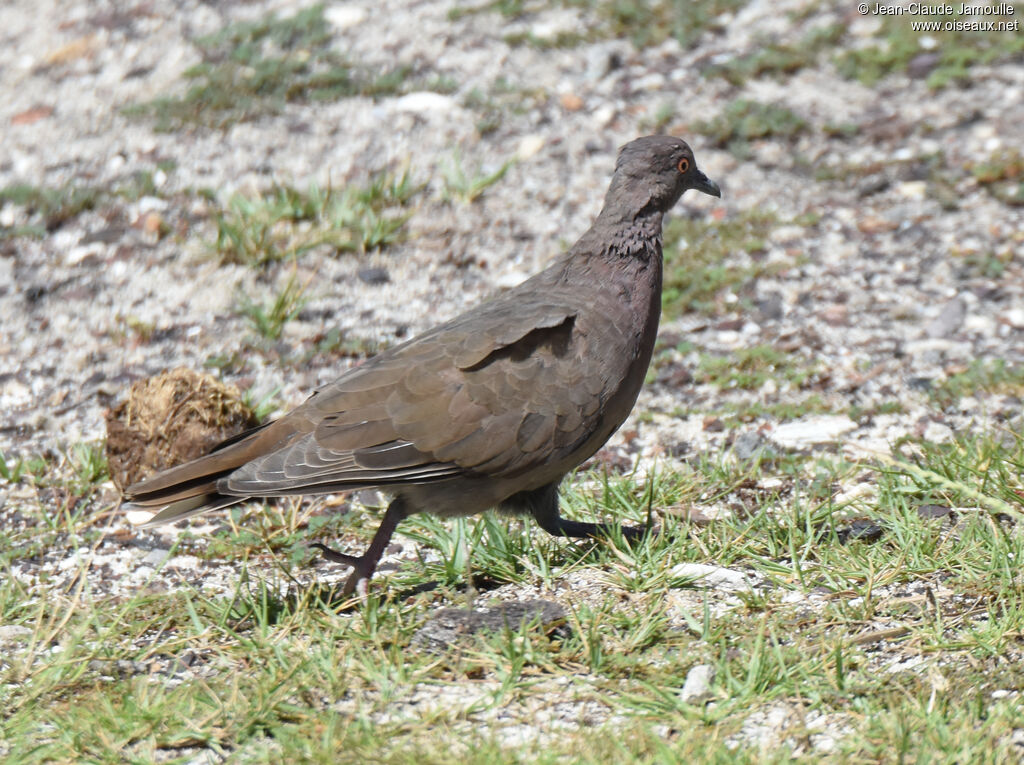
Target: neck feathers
(633, 236)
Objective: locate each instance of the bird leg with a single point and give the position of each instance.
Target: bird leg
(364, 565)
(542, 504)
(562, 527)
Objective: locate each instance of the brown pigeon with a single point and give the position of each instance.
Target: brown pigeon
(489, 409)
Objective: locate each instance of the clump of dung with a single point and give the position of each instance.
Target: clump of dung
(171, 418)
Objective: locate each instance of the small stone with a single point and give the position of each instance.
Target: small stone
(32, 115)
(811, 431)
(771, 307)
(1014, 317)
(981, 325)
(913, 189)
(571, 102)
(424, 101)
(344, 16)
(155, 557)
(929, 512)
(921, 65)
(860, 530)
(373, 275)
(697, 687)
(529, 145)
(714, 577)
(836, 315)
(603, 116)
(713, 425)
(872, 224)
(750, 444)
(937, 433)
(151, 223)
(949, 320)
(873, 184)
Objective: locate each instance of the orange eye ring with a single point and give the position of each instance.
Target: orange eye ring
(684, 165)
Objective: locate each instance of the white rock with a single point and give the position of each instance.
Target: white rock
(343, 17)
(155, 557)
(152, 204)
(812, 430)
(938, 433)
(712, 576)
(979, 324)
(697, 687)
(603, 116)
(529, 145)
(1015, 318)
(424, 101)
(913, 189)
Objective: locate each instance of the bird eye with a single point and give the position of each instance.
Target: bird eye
(684, 165)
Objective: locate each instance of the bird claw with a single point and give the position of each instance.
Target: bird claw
(636, 533)
(358, 581)
(336, 557)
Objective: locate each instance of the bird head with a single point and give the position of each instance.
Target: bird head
(653, 172)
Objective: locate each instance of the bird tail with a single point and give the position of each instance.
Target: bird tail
(191, 488)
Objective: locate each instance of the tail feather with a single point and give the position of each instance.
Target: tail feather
(191, 488)
(195, 476)
(187, 508)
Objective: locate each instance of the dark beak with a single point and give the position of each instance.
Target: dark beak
(702, 183)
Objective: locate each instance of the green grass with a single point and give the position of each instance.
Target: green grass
(750, 368)
(779, 60)
(21, 468)
(253, 69)
(644, 22)
(268, 318)
(1002, 174)
(49, 208)
(271, 671)
(706, 261)
(744, 120)
(284, 223)
(981, 376)
(468, 185)
(957, 51)
(501, 102)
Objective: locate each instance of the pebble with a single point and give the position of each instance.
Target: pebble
(697, 686)
(1014, 317)
(424, 102)
(811, 431)
(529, 146)
(715, 577)
(344, 16)
(949, 319)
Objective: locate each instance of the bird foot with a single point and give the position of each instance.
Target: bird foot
(634, 533)
(334, 556)
(362, 569)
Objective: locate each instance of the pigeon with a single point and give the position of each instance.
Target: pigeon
(490, 409)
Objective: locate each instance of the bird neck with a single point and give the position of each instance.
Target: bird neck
(635, 235)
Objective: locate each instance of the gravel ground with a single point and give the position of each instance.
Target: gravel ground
(901, 268)
(885, 295)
